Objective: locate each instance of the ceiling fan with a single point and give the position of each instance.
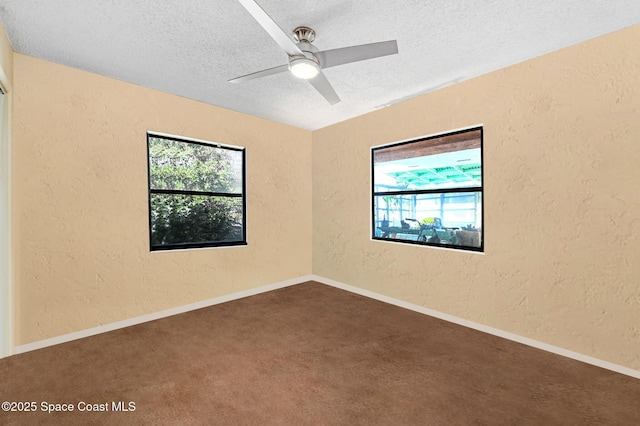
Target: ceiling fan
(305, 60)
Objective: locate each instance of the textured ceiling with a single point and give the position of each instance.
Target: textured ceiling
(192, 47)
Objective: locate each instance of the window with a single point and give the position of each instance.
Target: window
(429, 191)
(196, 193)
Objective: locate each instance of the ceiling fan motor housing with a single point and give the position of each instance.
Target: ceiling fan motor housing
(308, 65)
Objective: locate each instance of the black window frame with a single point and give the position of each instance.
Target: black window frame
(243, 195)
(476, 189)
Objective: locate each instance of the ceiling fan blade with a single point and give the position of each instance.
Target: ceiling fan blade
(259, 74)
(323, 86)
(345, 55)
(270, 26)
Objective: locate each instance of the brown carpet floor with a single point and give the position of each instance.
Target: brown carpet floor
(312, 355)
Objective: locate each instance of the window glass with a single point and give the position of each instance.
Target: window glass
(429, 191)
(180, 218)
(196, 194)
(194, 167)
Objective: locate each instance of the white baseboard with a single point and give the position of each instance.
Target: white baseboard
(156, 315)
(484, 328)
(246, 293)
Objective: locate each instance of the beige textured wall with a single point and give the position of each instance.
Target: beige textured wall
(81, 237)
(562, 201)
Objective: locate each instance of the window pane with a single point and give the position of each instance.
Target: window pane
(451, 160)
(179, 219)
(179, 165)
(441, 218)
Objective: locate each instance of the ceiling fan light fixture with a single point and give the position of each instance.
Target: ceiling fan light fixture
(304, 68)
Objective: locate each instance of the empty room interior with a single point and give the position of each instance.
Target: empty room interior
(354, 281)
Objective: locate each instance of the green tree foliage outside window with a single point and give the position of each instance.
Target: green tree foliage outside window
(196, 194)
